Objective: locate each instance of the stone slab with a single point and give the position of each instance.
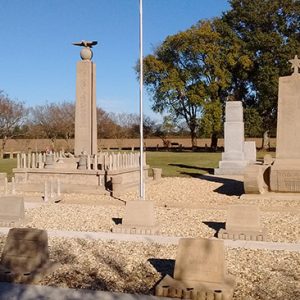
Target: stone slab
(25, 250)
(11, 210)
(243, 217)
(200, 259)
(139, 218)
(199, 267)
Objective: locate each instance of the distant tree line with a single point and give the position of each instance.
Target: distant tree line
(57, 121)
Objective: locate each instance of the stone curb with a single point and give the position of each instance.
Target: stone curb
(13, 291)
(159, 239)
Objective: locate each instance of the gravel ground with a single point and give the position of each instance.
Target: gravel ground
(137, 267)
(182, 205)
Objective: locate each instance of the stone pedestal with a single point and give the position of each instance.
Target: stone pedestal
(233, 158)
(85, 114)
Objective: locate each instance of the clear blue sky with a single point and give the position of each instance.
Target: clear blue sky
(38, 61)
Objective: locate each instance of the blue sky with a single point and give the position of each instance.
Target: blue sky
(38, 61)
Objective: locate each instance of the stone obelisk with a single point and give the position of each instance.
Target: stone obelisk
(85, 109)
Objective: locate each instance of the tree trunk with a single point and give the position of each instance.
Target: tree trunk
(193, 140)
(214, 142)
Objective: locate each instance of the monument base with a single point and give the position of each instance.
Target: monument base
(138, 219)
(233, 167)
(170, 287)
(285, 176)
(271, 196)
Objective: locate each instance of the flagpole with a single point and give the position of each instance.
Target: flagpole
(142, 188)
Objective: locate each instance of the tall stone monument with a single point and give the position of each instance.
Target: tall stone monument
(285, 172)
(282, 175)
(238, 153)
(85, 111)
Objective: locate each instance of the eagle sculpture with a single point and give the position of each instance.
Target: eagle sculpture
(88, 44)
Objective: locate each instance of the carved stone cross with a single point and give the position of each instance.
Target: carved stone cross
(295, 64)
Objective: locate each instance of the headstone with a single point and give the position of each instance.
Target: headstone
(243, 223)
(139, 218)
(200, 270)
(85, 110)
(285, 172)
(157, 173)
(11, 210)
(25, 257)
(234, 160)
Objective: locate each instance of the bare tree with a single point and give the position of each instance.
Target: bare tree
(12, 117)
(54, 120)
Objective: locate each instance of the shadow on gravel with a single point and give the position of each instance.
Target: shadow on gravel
(208, 170)
(217, 226)
(230, 187)
(163, 266)
(117, 221)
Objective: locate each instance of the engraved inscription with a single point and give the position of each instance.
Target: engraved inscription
(289, 181)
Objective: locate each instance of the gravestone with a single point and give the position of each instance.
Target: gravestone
(85, 109)
(11, 210)
(25, 257)
(243, 223)
(139, 218)
(234, 159)
(200, 271)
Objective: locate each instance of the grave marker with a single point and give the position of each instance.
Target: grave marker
(243, 223)
(11, 210)
(200, 271)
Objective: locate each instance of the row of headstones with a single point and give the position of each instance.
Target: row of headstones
(110, 161)
(107, 161)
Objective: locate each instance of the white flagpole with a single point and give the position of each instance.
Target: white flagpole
(142, 188)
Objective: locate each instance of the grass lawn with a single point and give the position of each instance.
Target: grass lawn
(6, 166)
(183, 163)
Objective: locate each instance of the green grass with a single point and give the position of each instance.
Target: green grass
(183, 163)
(6, 166)
(172, 163)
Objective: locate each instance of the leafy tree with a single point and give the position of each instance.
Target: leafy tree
(12, 117)
(269, 31)
(189, 73)
(253, 122)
